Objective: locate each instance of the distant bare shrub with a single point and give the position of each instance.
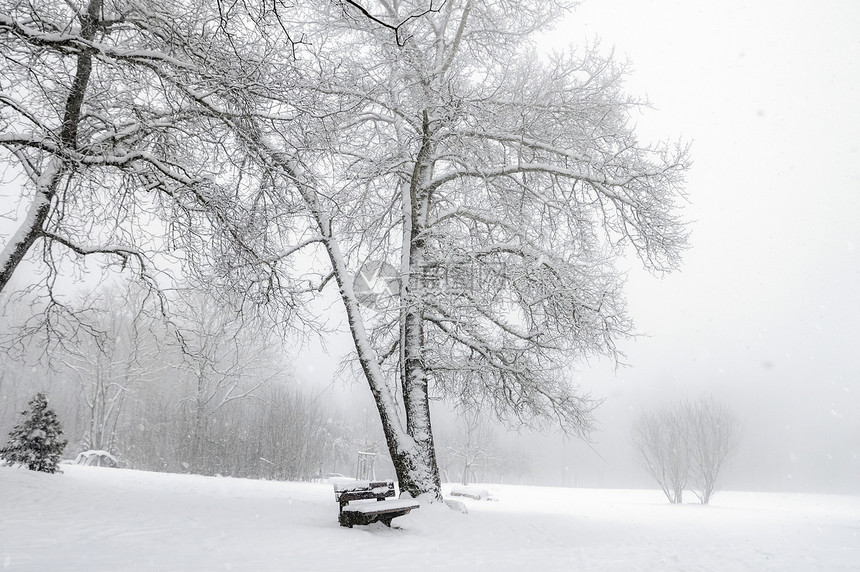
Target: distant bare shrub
(689, 443)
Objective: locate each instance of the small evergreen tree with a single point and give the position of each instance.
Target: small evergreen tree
(35, 441)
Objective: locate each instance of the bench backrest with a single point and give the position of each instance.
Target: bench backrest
(362, 490)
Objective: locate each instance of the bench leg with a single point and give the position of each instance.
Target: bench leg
(386, 519)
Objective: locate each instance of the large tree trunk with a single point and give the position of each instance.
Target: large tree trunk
(414, 376)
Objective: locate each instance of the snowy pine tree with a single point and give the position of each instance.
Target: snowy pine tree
(35, 441)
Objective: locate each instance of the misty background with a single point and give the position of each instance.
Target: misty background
(765, 313)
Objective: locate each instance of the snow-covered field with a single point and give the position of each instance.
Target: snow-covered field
(94, 519)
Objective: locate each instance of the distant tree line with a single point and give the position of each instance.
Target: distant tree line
(204, 393)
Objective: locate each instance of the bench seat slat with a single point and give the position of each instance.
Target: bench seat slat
(381, 507)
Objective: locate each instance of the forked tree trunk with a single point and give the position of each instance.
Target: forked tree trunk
(409, 440)
(411, 446)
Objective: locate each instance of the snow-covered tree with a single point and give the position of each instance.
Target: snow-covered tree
(102, 97)
(499, 185)
(36, 441)
(66, 124)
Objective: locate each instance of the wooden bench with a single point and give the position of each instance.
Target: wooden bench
(352, 513)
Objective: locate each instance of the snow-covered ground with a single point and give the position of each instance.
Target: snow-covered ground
(99, 519)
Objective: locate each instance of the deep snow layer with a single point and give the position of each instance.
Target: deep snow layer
(99, 519)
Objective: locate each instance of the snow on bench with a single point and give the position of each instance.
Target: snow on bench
(349, 494)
